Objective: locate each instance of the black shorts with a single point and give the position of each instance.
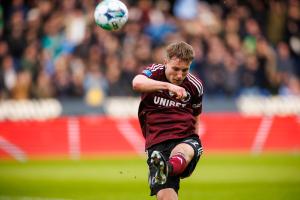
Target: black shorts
(165, 148)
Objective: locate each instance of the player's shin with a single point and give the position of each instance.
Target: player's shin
(177, 164)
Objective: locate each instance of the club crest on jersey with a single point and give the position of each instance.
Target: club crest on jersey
(171, 94)
(187, 98)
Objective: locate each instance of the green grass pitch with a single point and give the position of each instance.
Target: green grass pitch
(217, 177)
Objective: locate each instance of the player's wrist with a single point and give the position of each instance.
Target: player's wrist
(168, 86)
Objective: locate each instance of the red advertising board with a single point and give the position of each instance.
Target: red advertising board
(94, 135)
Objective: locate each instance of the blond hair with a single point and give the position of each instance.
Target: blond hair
(180, 50)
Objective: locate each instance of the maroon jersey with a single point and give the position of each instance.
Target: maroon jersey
(163, 117)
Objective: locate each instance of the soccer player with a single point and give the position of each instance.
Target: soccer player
(171, 101)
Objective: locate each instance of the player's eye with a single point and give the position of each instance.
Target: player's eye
(176, 69)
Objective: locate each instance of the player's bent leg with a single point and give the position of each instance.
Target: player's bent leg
(158, 175)
(164, 173)
(185, 150)
(167, 194)
(180, 157)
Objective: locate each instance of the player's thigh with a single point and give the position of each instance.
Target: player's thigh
(185, 149)
(167, 194)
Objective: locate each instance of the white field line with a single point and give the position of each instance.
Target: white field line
(131, 135)
(262, 134)
(74, 138)
(28, 198)
(12, 150)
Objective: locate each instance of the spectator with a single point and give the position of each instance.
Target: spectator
(22, 90)
(8, 76)
(57, 45)
(95, 86)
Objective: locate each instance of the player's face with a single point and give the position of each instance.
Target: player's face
(176, 70)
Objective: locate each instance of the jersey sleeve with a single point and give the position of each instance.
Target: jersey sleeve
(197, 105)
(153, 71)
(197, 94)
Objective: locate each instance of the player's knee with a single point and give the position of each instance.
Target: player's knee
(185, 150)
(167, 194)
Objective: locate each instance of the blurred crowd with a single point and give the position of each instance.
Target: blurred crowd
(53, 48)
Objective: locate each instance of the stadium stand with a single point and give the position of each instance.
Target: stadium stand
(53, 49)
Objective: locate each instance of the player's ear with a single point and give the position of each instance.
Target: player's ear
(165, 61)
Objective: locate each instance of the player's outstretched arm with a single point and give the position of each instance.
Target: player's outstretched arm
(142, 83)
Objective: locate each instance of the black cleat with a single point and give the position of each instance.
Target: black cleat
(159, 164)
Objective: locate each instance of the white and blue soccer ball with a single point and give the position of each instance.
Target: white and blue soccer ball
(111, 14)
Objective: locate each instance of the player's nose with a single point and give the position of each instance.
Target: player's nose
(179, 75)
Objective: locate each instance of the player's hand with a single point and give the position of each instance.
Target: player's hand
(179, 92)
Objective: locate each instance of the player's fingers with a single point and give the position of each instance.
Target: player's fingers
(178, 95)
(184, 94)
(181, 94)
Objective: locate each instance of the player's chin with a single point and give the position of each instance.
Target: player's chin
(177, 82)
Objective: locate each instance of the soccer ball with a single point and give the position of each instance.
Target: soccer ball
(111, 14)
